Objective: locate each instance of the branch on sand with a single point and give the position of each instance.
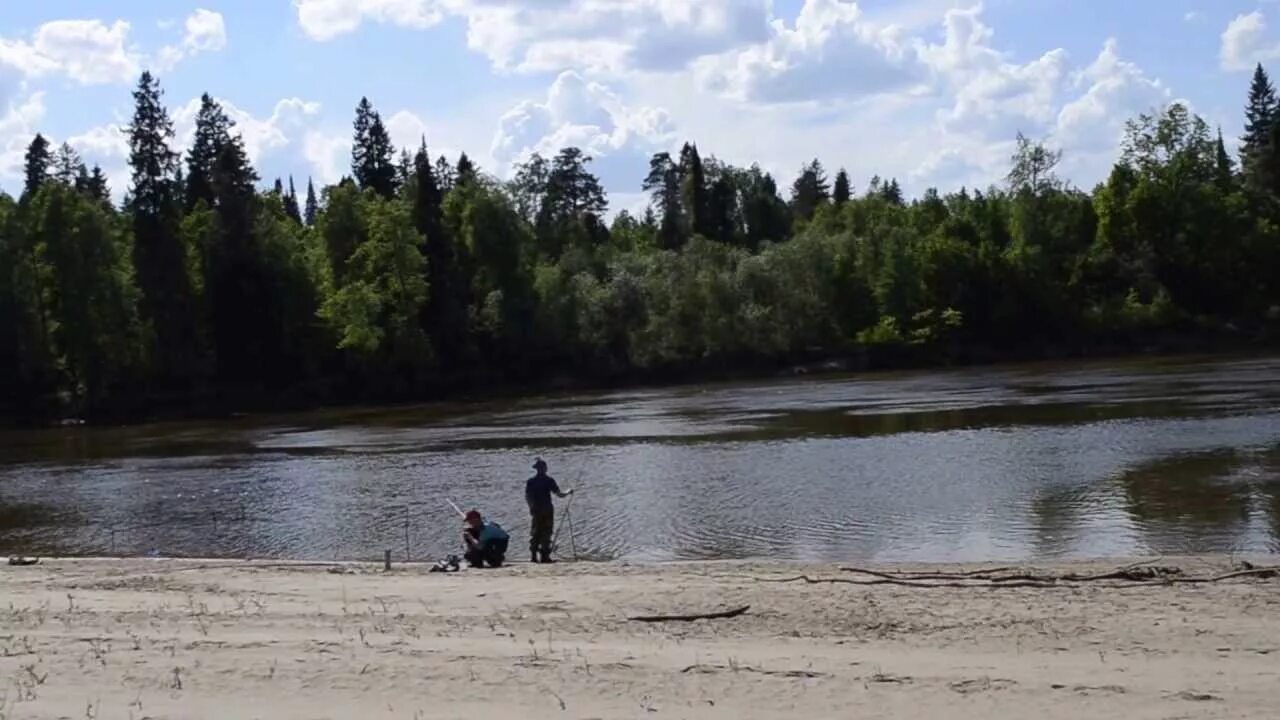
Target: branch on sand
(690, 618)
(1135, 575)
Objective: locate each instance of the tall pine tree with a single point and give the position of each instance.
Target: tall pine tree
(1260, 116)
(693, 193)
(465, 171)
(1225, 169)
(373, 161)
(840, 195)
(36, 165)
(810, 190)
(312, 210)
(158, 253)
(212, 128)
(291, 203)
(446, 311)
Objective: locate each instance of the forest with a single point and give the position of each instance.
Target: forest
(211, 290)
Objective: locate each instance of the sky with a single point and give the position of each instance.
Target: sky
(932, 92)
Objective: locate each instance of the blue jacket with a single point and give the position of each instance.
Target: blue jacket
(490, 532)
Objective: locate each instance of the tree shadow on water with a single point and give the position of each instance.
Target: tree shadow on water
(1204, 501)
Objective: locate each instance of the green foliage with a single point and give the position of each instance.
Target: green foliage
(89, 298)
(375, 311)
(419, 277)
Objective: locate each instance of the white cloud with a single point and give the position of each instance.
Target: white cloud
(407, 130)
(991, 93)
(327, 19)
(17, 126)
(832, 51)
(953, 168)
(552, 35)
(103, 142)
(88, 51)
(289, 118)
(328, 154)
(205, 32)
(1192, 17)
(583, 114)
(1115, 90)
(1245, 43)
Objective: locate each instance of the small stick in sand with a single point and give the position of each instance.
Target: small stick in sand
(690, 618)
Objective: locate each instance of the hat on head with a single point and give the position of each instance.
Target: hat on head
(473, 515)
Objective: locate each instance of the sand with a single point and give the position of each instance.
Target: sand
(134, 639)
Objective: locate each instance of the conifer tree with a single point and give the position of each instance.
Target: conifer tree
(312, 210)
(291, 203)
(840, 195)
(212, 128)
(372, 154)
(1260, 115)
(159, 256)
(36, 165)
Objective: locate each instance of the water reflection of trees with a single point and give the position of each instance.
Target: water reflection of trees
(1185, 502)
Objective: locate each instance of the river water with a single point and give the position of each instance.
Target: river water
(1042, 461)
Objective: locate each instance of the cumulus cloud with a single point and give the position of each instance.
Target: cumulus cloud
(17, 126)
(1114, 91)
(88, 51)
(1245, 43)
(831, 51)
(205, 31)
(552, 35)
(583, 114)
(991, 93)
(329, 155)
(327, 19)
(953, 168)
(289, 119)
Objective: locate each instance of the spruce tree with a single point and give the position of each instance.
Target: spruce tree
(212, 130)
(36, 165)
(446, 312)
(892, 192)
(693, 193)
(446, 176)
(372, 155)
(1260, 116)
(840, 195)
(97, 186)
(1224, 167)
(312, 210)
(810, 190)
(158, 252)
(291, 203)
(465, 171)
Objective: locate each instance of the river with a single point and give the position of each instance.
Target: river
(1041, 461)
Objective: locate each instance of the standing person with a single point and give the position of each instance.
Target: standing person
(485, 540)
(542, 512)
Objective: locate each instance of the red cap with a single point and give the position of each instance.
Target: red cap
(473, 515)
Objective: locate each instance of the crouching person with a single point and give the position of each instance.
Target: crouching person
(486, 541)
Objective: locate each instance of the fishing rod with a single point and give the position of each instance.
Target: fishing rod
(568, 517)
(456, 509)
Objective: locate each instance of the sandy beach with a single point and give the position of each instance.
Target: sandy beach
(135, 639)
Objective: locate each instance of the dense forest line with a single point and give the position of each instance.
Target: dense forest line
(418, 277)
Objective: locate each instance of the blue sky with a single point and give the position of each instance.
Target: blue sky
(929, 91)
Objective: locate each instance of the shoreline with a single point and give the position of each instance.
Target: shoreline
(190, 638)
(824, 366)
